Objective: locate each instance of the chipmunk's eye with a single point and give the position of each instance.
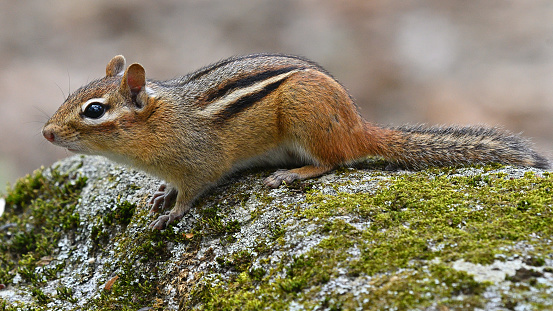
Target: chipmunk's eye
(94, 110)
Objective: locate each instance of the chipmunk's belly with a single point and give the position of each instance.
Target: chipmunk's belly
(287, 154)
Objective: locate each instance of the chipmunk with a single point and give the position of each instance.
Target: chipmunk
(259, 109)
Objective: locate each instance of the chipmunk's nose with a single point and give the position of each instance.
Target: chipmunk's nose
(48, 133)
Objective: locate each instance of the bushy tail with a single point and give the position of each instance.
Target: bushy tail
(420, 146)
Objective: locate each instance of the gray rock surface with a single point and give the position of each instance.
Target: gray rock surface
(302, 247)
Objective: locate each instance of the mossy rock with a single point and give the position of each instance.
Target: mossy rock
(75, 237)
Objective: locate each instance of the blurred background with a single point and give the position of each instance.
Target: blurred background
(404, 61)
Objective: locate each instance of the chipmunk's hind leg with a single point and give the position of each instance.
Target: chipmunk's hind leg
(289, 176)
(322, 126)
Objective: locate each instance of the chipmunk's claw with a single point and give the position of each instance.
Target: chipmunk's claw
(163, 198)
(164, 220)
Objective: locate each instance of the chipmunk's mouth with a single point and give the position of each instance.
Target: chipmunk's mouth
(77, 150)
(67, 146)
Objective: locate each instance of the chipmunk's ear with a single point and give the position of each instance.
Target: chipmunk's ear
(115, 66)
(134, 81)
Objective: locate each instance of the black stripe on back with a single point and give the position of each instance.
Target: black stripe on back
(247, 101)
(204, 71)
(245, 81)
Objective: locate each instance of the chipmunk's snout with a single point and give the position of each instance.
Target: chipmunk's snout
(48, 133)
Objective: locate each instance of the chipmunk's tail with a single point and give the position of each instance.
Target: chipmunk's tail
(420, 146)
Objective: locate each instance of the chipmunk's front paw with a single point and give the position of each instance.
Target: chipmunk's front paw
(280, 176)
(164, 220)
(163, 198)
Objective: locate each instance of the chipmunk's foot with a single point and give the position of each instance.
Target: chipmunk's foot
(164, 220)
(279, 177)
(301, 173)
(163, 198)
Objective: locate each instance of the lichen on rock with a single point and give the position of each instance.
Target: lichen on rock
(75, 236)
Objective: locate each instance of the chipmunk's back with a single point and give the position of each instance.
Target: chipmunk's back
(237, 72)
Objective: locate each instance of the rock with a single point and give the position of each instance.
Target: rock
(75, 237)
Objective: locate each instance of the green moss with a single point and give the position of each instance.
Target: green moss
(152, 248)
(409, 289)
(414, 226)
(65, 293)
(5, 307)
(277, 231)
(467, 217)
(213, 222)
(257, 274)
(139, 256)
(305, 275)
(39, 211)
(121, 215)
(131, 290)
(112, 223)
(240, 261)
(39, 295)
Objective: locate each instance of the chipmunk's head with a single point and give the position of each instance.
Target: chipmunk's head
(103, 117)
